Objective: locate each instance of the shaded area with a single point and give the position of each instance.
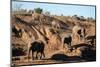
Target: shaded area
(88, 52)
(89, 55)
(63, 57)
(17, 52)
(86, 56)
(59, 57)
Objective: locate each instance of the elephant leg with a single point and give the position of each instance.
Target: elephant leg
(36, 55)
(32, 55)
(43, 54)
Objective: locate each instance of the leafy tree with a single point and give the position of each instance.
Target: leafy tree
(82, 18)
(38, 10)
(76, 17)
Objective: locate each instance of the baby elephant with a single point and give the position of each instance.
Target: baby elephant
(37, 47)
